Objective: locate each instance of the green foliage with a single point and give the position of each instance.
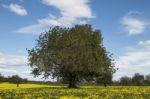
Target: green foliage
(105, 79)
(125, 81)
(147, 79)
(71, 54)
(136, 80)
(15, 79)
(2, 79)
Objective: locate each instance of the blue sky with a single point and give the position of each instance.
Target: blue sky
(125, 25)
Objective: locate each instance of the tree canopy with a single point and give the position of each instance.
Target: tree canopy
(72, 54)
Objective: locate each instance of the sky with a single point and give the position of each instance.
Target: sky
(125, 26)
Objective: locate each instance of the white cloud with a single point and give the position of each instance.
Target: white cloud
(12, 60)
(137, 59)
(17, 9)
(34, 29)
(11, 64)
(71, 8)
(15, 64)
(71, 12)
(134, 25)
(145, 43)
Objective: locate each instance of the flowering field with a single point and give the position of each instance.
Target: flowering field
(33, 91)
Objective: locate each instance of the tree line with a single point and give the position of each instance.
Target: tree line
(13, 79)
(136, 80)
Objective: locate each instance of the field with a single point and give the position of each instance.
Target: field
(34, 91)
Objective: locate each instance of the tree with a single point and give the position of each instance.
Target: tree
(125, 81)
(71, 54)
(138, 79)
(15, 79)
(2, 78)
(147, 79)
(105, 79)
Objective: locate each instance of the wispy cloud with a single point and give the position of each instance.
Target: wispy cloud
(7, 61)
(17, 9)
(135, 59)
(32, 29)
(10, 64)
(71, 12)
(16, 65)
(132, 24)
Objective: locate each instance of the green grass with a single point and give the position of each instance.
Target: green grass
(35, 91)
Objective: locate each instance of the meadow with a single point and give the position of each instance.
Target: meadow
(35, 91)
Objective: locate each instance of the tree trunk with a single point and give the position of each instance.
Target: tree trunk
(72, 81)
(105, 84)
(17, 85)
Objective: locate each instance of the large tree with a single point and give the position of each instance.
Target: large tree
(72, 54)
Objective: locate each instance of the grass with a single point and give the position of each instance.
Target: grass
(14, 86)
(36, 91)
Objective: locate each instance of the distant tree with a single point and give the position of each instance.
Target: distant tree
(2, 78)
(25, 80)
(125, 81)
(147, 79)
(72, 54)
(105, 79)
(138, 79)
(15, 79)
